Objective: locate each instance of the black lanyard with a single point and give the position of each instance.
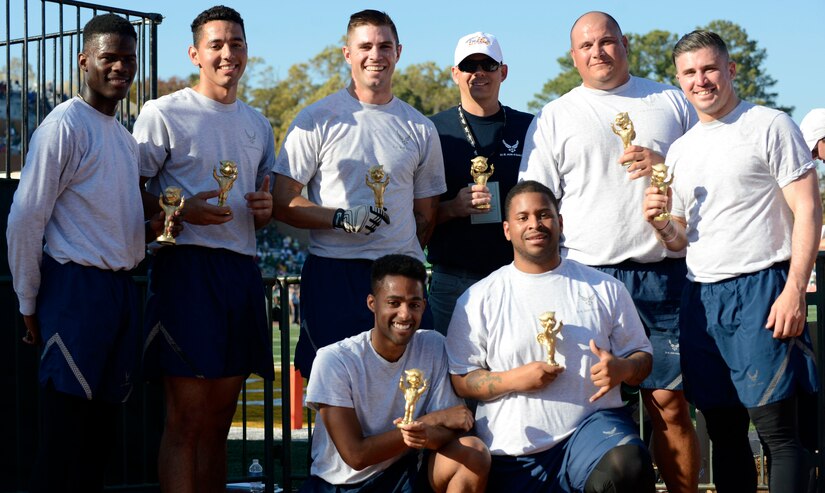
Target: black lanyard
(468, 132)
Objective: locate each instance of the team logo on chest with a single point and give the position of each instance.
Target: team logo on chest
(512, 150)
(403, 138)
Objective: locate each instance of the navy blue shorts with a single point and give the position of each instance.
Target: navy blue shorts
(334, 305)
(566, 466)
(656, 289)
(729, 358)
(206, 315)
(89, 324)
(407, 475)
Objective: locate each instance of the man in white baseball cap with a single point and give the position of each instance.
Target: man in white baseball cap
(813, 129)
(470, 214)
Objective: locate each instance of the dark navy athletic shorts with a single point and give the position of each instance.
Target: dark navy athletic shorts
(729, 358)
(656, 289)
(565, 467)
(89, 325)
(334, 305)
(206, 315)
(407, 475)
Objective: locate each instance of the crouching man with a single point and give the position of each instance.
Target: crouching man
(543, 344)
(364, 385)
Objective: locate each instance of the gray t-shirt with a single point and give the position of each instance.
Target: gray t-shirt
(350, 373)
(79, 189)
(331, 145)
(494, 327)
(182, 138)
(729, 178)
(571, 148)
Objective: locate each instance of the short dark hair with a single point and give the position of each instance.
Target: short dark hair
(697, 40)
(528, 187)
(611, 21)
(107, 24)
(371, 17)
(397, 265)
(216, 13)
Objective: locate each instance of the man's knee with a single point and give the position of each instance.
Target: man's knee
(475, 454)
(670, 405)
(465, 461)
(626, 468)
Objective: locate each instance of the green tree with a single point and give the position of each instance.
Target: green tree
(167, 86)
(649, 55)
(280, 100)
(426, 87)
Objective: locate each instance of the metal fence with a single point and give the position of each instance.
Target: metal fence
(41, 69)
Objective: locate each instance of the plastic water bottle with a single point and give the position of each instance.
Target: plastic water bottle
(256, 473)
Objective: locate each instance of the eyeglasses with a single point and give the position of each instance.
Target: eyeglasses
(471, 66)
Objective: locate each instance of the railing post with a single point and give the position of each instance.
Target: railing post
(286, 457)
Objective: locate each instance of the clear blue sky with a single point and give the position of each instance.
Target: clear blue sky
(532, 33)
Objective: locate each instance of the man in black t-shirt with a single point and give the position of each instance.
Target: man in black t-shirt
(468, 242)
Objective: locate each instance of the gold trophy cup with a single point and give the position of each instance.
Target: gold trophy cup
(225, 176)
(377, 180)
(658, 178)
(171, 201)
(547, 337)
(479, 172)
(623, 127)
(413, 384)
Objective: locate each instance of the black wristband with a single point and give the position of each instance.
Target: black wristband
(338, 219)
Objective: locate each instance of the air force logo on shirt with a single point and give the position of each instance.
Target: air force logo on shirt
(512, 149)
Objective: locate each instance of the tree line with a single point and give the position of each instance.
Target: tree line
(429, 88)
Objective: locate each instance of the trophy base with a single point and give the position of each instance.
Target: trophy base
(627, 163)
(482, 207)
(665, 216)
(166, 240)
(402, 423)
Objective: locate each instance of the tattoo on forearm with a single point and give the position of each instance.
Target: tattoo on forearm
(484, 379)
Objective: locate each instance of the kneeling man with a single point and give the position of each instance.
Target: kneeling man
(548, 383)
(359, 385)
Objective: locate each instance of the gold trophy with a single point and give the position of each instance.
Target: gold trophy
(171, 200)
(478, 170)
(377, 180)
(547, 337)
(658, 178)
(416, 384)
(226, 178)
(623, 127)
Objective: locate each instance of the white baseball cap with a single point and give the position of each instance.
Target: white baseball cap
(478, 42)
(813, 127)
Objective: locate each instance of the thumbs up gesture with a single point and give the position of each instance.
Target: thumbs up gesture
(605, 374)
(259, 203)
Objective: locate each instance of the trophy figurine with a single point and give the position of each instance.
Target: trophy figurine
(226, 178)
(478, 170)
(416, 384)
(547, 337)
(623, 127)
(171, 201)
(377, 180)
(658, 178)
